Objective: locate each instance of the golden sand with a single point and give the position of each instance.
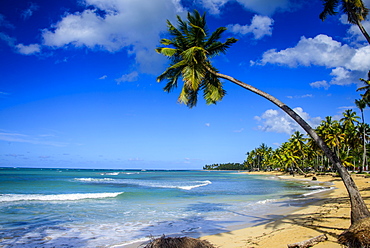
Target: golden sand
(330, 216)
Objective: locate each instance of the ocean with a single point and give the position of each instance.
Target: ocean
(117, 208)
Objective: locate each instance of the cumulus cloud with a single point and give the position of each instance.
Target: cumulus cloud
(121, 26)
(278, 121)
(29, 49)
(260, 26)
(347, 63)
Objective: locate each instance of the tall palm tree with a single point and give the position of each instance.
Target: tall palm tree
(298, 146)
(361, 104)
(366, 88)
(190, 49)
(349, 118)
(355, 9)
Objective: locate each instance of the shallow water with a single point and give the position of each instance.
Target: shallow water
(105, 208)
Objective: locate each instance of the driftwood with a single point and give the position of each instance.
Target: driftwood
(309, 242)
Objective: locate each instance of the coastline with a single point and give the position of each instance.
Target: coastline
(330, 216)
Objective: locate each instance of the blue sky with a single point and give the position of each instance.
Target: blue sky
(78, 81)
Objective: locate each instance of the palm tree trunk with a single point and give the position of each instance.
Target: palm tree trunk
(364, 141)
(359, 209)
(363, 31)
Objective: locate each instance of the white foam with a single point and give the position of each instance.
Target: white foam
(266, 201)
(205, 183)
(186, 185)
(319, 190)
(57, 197)
(93, 179)
(110, 173)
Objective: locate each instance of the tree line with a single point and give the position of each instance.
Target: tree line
(347, 137)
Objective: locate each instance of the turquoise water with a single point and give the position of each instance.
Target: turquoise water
(114, 208)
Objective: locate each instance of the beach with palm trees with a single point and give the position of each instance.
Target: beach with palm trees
(329, 216)
(346, 135)
(190, 49)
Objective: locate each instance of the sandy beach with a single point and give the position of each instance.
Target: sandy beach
(330, 216)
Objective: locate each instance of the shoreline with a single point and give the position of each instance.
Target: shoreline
(330, 216)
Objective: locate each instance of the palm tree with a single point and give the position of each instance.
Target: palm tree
(298, 146)
(361, 104)
(355, 10)
(349, 118)
(190, 49)
(366, 88)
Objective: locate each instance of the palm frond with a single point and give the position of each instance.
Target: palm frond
(167, 42)
(217, 47)
(189, 49)
(166, 51)
(329, 8)
(215, 36)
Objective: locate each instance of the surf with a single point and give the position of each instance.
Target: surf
(56, 197)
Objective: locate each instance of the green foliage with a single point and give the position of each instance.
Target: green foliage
(189, 48)
(227, 166)
(348, 138)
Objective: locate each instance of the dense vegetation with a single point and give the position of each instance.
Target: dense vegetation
(348, 137)
(227, 166)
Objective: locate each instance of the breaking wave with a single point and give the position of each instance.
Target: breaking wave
(57, 197)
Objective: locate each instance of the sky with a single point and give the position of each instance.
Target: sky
(78, 81)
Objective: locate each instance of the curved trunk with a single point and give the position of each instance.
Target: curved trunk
(363, 31)
(359, 209)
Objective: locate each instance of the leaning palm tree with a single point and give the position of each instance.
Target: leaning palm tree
(355, 9)
(190, 48)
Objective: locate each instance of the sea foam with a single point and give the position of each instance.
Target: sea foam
(57, 197)
(94, 179)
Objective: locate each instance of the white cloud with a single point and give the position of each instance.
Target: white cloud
(9, 40)
(22, 138)
(103, 77)
(260, 26)
(122, 26)
(279, 122)
(213, 6)
(26, 14)
(131, 77)
(353, 31)
(28, 50)
(347, 63)
(320, 84)
(302, 96)
(264, 7)
(5, 23)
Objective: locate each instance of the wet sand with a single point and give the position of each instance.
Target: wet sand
(330, 216)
